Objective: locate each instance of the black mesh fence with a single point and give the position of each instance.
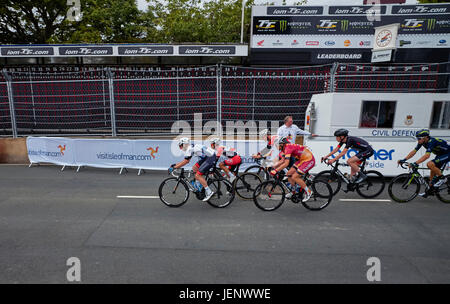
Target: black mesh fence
(147, 100)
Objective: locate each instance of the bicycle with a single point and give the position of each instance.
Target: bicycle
(271, 194)
(174, 191)
(260, 169)
(406, 186)
(369, 188)
(244, 185)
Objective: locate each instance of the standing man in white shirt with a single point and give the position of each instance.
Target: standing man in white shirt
(291, 131)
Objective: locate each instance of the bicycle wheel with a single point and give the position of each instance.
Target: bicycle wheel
(372, 186)
(331, 178)
(403, 188)
(173, 192)
(321, 197)
(223, 193)
(258, 170)
(269, 195)
(246, 184)
(443, 193)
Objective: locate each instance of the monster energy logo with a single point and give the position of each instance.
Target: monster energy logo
(344, 25)
(283, 25)
(431, 24)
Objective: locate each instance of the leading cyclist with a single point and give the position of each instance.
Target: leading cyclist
(206, 160)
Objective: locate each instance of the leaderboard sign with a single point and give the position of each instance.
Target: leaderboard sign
(122, 50)
(348, 28)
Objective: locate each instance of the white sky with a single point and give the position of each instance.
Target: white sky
(142, 4)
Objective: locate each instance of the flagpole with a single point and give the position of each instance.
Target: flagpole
(242, 22)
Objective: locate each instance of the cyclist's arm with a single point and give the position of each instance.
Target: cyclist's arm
(182, 163)
(284, 163)
(332, 152)
(423, 158)
(410, 154)
(340, 155)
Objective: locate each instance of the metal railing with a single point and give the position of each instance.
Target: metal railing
(118, 101)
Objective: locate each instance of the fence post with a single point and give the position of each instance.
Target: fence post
(219, 93)
(111, 102)
(333, 77)
(12, 111)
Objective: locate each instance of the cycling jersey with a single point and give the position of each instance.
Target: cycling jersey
(356, 143)
(226, 151)
(200, 151)
(436, 146)
(294, 150)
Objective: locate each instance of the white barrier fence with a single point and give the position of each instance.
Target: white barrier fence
(120, 153)
(160, 154)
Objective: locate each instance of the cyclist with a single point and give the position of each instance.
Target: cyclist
(432, 145)
(233, 158)
(206, 160)
(364, 149)
(304, 161)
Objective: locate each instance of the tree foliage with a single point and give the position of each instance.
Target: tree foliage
(120, 21)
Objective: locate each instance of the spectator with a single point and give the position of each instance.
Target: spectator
(290, 130)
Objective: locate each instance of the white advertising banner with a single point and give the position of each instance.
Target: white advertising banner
(121, 153)
(54, 150)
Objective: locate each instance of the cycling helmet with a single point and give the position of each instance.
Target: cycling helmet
(422, 133)
(184, 140)
(264, 133)
(215, 140)
(341, 132)
(283, 140)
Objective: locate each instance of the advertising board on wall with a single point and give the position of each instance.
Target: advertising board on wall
(343, 28)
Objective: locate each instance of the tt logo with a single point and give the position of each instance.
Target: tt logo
(266, 24)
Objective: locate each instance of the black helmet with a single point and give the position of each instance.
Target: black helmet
(341, 132)
(283, 140)
(422, 133)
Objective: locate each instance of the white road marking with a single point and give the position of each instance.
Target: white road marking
(132, 196)
(363, 200)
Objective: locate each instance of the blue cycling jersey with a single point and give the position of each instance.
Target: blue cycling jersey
(436, 146)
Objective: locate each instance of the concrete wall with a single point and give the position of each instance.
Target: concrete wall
(13, 151)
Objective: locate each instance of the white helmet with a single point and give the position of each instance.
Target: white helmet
(184, 140)
(264, 133)
(215, 140)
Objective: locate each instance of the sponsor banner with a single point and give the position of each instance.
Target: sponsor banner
(346, 41)
(59, 151)
(381, 56)
(384, 159)
(385, 37)
(348, 25)
(27, 51)
(346, 10)
(369, 10)
(294, 10)
(85, 51)
(311, 41)
(145, 50)
(207, 50)
(122, 153)
(420, 9)
(123, 50)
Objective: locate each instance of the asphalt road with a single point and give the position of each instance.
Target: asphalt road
(48, 216)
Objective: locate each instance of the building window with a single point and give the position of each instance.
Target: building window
(440, 117)
(377, 114)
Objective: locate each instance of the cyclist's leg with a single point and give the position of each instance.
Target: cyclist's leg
(207, 164)
(356, 160)
(290, 175)
(436, 166)
(225, 168)
(302, 168)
